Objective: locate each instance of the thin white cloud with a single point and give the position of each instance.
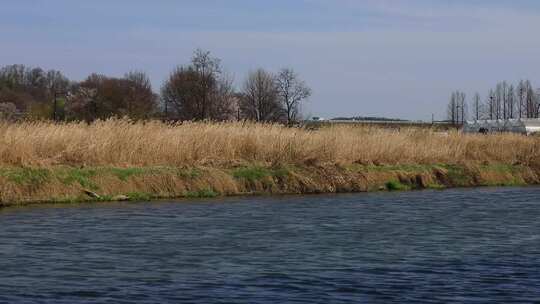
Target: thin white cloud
(405, 70)
(439, 13)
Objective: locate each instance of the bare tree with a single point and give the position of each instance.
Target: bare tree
(511, 101)
(197, 91)
(56, 81)
(457, 108)
(504, 99)
(83, 104)
(463, 107)
(537, 102)
(32, 90)
(260, 97)
(477, 106)
(292, 91)
(521, 98)
(529, 100)
(180, 95)
(101, 97)
(209, 69)
(452, 108)
(498, 101)
(225, 103)
(491, 104)
(140, 99)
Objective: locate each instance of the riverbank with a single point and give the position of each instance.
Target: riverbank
(64, 184)
(120, 159)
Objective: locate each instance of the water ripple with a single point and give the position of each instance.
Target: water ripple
(459, 246)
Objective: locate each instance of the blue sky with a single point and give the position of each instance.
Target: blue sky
(364, 57)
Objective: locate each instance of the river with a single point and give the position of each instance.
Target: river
(459, 246)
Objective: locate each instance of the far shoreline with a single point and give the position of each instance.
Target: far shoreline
(64, 184)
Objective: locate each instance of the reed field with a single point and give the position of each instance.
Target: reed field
(119, 159)
(123, 143)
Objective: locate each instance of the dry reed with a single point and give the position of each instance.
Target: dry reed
(124, 143)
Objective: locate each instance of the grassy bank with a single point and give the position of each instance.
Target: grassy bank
(120, 160)
(19, 185)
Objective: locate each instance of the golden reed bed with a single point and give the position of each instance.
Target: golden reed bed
(123, 143)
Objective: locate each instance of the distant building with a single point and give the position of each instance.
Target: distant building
(526, 126)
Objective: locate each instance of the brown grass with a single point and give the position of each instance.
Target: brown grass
(123, 143)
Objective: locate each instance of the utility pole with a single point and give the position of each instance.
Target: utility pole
(491, 98)
(520, 100)
(55, 102)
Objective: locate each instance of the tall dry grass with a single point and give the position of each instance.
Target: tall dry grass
(123, 143)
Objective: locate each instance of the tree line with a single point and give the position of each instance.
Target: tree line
(199, 90)
(504, 101)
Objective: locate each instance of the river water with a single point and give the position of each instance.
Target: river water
(460, 246)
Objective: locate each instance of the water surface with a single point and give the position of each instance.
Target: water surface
(462, 246)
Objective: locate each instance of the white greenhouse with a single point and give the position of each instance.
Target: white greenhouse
(526, 126)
